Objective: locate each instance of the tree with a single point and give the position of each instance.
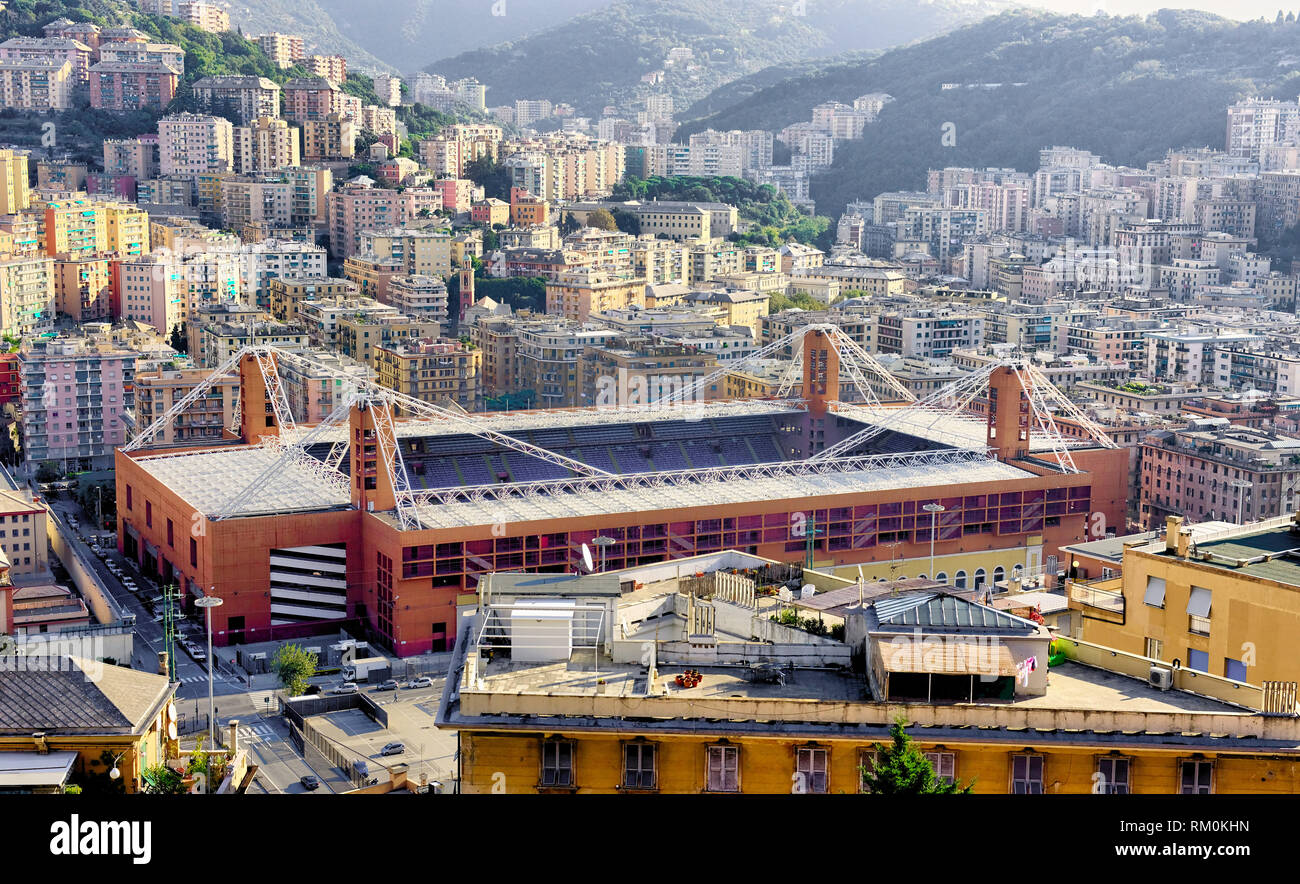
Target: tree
(601, 219)
(569, 224)
(178, 340)
(293, 666)
(162, 780)
(48, 471)
(627, 222)
(902, 769)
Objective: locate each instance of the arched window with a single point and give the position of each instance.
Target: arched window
(980, 575)
(999, 574)
(920, 576)
(1017, 571)
(960, 581)
(941, 577)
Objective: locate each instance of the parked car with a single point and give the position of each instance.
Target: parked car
(397, 747)
(347, 687)
(312, 689)
(310, 783)
(423, 681)
(389, 685)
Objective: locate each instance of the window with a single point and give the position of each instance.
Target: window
(866, 764)
(148, 514)
(810, 770)
(944, 763)
(1112, 776)
(1027, 774)
(723, 769)
(170, 541)
(979, 578)
(1197, 777)
(999, 574)
(557, 763)
(1198, 611)
(194, 553)
(639, 765)
(942, 577)
(960, 581)
(1155, 594)
(1155, 649)
(1234, 669)
(128, 497)
(1198, 660)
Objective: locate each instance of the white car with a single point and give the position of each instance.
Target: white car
(347, 687)
(423, 681)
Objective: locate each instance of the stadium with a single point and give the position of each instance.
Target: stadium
(383, 517)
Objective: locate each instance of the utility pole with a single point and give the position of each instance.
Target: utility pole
(169, 631)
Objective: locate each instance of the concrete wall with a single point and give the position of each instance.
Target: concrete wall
(101, 604)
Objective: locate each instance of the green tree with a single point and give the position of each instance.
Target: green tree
(293, 666)
(902, 769)
(178, 340)
(569, 224)
(601, 219)
(162, 780)
(48, 471)
(492, 176)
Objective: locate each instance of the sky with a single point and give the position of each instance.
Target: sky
(1243, 10)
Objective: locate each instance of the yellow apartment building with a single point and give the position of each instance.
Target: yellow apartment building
(567, 684)
(1227, 604)
(579, 293)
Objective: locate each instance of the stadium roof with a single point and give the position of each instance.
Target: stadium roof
(732, 490)
(210, 480)
(959, 430)
(506, 422)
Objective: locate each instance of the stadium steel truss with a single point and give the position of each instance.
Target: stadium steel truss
(948, 415)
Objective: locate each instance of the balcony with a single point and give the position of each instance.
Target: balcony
(1098, 599)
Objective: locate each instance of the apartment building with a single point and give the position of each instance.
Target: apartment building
(132, 86)
(332, 137)
(1242, 368)
(359, 335)
(420, 296)
(576, 294)
(201, 422)
(287, 293)
(83, 287)
(360, 207)
(285, 50)
(265, 145)
(75, 395)
(27, 299)
(546, 356)
(637, 371)
(1187, 357)
(417, 252)
(1218, 470)
(928, 334)
(432, 371)
(204, 16)
(311, 98)
(219, 340)
(240, 99)
(15, 189)
(38, 84)
(191, 144)
(333, 68)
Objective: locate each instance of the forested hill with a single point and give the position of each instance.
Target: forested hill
(1126, 88)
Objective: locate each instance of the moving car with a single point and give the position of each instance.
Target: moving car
(347, 687)
(423, 681)
(389, 685)
(310, 783)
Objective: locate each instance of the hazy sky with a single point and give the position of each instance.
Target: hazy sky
(1238, 9)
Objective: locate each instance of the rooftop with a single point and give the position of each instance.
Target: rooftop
(80, 696)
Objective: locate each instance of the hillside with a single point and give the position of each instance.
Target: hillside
(599, 58)
(1126, 88)
(313, 22)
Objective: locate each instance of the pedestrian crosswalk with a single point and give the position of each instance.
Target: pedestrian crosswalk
(194, 679)
(260, 731)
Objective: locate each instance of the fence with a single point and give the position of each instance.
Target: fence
(191, 724)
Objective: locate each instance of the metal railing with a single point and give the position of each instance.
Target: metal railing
(1095, 597)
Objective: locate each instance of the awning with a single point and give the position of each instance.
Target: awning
(948, 656)
(1155, 595)
(27, 770)
(1198, 603)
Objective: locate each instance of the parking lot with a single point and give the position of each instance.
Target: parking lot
(411, 715)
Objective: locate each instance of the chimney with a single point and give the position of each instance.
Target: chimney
(42, 747)
(1173, 524)
(162, 663)
(398, 773)
(1184, 541)
(232, 741)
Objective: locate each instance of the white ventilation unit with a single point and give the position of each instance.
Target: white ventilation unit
(1161, 678)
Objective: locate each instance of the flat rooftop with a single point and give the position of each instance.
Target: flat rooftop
(598, 499)
(212, 479)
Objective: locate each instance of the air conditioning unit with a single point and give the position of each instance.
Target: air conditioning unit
(1161, 678)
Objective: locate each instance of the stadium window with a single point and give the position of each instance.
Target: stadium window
(960, 580)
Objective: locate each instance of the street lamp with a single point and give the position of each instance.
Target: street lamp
(603, 542)
(207, 603)
(1241, 486)
(933, 509)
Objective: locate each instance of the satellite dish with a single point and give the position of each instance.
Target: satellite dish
(171, 730)
(807, 591)
(586, 557)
